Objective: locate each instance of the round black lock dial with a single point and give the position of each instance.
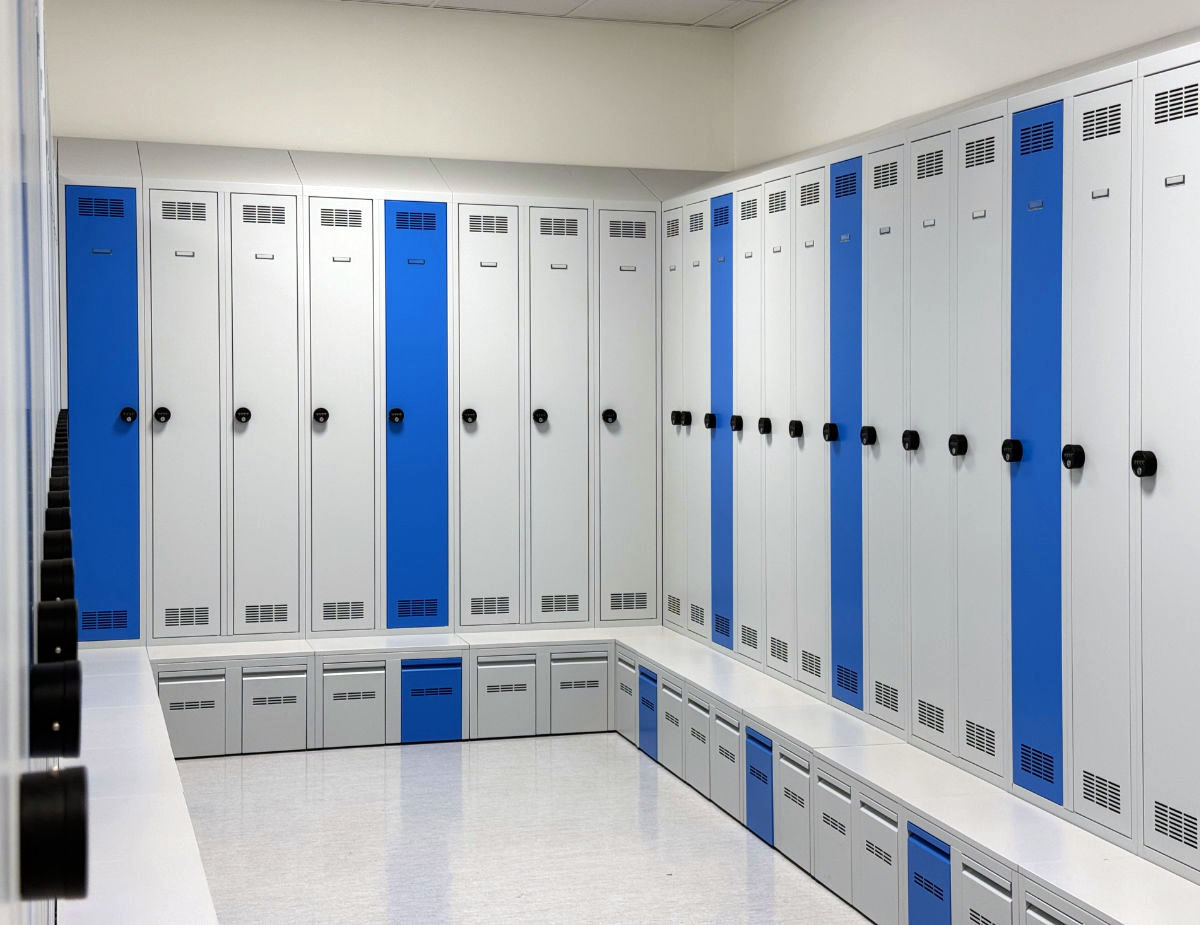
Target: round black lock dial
(1144, 464)
(1012, 451)
(868, 436)
(910, 440)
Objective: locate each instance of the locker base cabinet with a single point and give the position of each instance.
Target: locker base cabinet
(793, 832)
(193, 704)
(760, 811)
(698, 723)
(928, 879)
(353, 704)
(578, 693)
(431, 704)
(505, 696)
(670, 725)
(274, 709)
(876, 861)
(725, 763)
(627, 698)
(987, 897)
(832, 856)
(648, 712)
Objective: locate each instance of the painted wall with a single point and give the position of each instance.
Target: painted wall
(374, 78)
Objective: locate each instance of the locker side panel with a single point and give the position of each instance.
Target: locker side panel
(720, 405)
(696, 373)
(675, 399)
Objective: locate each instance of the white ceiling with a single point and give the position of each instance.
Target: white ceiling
(720, 14)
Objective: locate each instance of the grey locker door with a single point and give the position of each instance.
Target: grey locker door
(506, 696)
(981, 896)
(698, 722)
(981, 482)
(697, 380)
(354, 704)
(1101, 721)
(578, 693)
(489, 456)
(274, 709)
(558, 385)
(883, 408)
(1170, 502)
(670, 725)
(194, 709)
(185, 374)
(726, 778)
(811, 410)
(675, 531)
(747, 402)
(266, 476)
(793, 832)
(934, 624)
(342, 358)
(832, 854)
(627, 699)
(876, 862)
(628, 447)
(779, 449)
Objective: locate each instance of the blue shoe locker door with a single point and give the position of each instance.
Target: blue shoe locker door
(431, 691)
(648, 712)
(675, 401)
(760, 792)
(417, 408)
(720, 406)
(845, 416)
(928, 879)
(1036, 481)
(697, 285)
(102, 395)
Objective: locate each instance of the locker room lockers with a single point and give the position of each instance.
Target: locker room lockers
(489, 406)
(628, 442)
(416, 398)
(675, 444)
(718, 419)
(102, 269)
(342, 420)
(697, 286)
(185, 361)
(558, 397)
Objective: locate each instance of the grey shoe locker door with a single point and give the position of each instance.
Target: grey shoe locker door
(506, 696)
(627, 698)
(793, 830)
(696, 761)
(194, 708)
(876, 862)
(578, 693)
(832, 844)
(670, 724)
(274, 709)
(353, 705)
(726, 779)
(981, 896)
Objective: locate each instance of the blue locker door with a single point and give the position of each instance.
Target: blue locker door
(760, 794)
(845, 411)
(721, 385)
(102, 380)
(1037, 216)
(418, 487)
(431, 704)
(648, 712)
(928, 879)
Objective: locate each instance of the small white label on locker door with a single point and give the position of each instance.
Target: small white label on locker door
(1176, 180)
(628, 269)
(929, 223)
(979, 213)
(672, 268)
(845, 238)
(341, 259)
(695, 263)
(488, 264)
(1100, 193)
(264, 256)
(558, 266)
(1036, 205)
(814, 243)
(749, 254)
(777, 249)
(185, 253)
(416, 261)
(885, 229)
(102, 251)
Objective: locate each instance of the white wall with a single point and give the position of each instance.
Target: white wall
(373, 78)
(820, 70)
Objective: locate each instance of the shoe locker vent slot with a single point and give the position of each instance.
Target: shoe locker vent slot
(727, 754)
(792, 795)
(847, 679)
(627, 600)
(931, 716)
(193, 704)
(560, 603)
(834, 824)
(343, 610)
(978, 918)
(981, 738)
(750, 637)
(779, 649)
(417, 607)
(112, 619)
(354, 695)
(418, 221)
(810, 663)
(721, 625)
(489, 605)
(1038, 763)
(673, 604)
(266, 613)
(1175, 824)
(697, 614)
(274, 700)
(518, 687)
(699, 736)
(887, 696)
(872, 848)
(928, 885)
(1101, 791)
(590, 684)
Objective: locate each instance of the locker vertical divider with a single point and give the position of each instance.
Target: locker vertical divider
(721, 407)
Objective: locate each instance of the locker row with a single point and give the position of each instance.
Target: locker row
(319, 393)
(926, 449)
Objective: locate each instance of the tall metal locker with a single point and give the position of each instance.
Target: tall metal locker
(675, 401)
(980, 416)
(812, 475)
(266, 484)
(101, 234)
(558, 397)
(842, 429)
(489, 405)
(417, 402)
(185, 376)
(779, 446)
(930, 416)
(696, 289)
(628, 400)
(883, 419)
(341, 344)
(1170, 500)
(747, 407)
(1099, 492)
(1036, 332)
(719, 418)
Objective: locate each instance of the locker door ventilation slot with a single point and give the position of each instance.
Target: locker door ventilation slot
(1175, 824)
(697, 614)
(274, 701)
(979, 152)
(720, 216)
(750, 209)
(627, 600)
(696, 221)
(779, 650)
(109, 619)
(834, 824)
(699, 736)
(185, 211)
(343, 610)
(560, 603)
(931, 716)
(488, 224)
(887, 696)
(431, 692)
(750, 637)
(193, 705)
(101, 207)
(489, 605)
(810, 663)
(266, 613)
(341, 218)
(626, 229)
(981, 738)
(1102, 122)
(353, 695)
(721, 625)
(847, 679)
(727, 754)
(887, 174)
(777, 201)
(590, 684)
(928, 885)
(626, 689)
(559, 227)
(672, 228)
(1038, 763)
(790, 794)
(1037, 138)
(263, 215)
(845, 184)
(872, 848)
(416, 607)
(647, 703)
(519, 687)
(758, 774)
(930, 164)
(419, 221)
(673, 604)
(978, 918)
(671, 717)
(1101, 791)
(184, 616)
(810, 193)
(1179, 103)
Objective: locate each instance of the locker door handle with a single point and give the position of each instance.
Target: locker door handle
(868, 436)
(829, 432)
(735, 422)
(162, 415)
(676, 418)
(242, 415)
(609, 416)
(795, 429)
(1073, 456)
(910, 440)
(540, 416)
(957, 444)
(321, 415)
(764, 426)
(469, 416)
(128, 415)
(1012, 451)
(396, 415)
(685, 418)
(710, 421)
(1144, 464)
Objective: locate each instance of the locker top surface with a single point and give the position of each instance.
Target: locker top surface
(489, 179)
(242, 168)
(370, 173)
(98, 162)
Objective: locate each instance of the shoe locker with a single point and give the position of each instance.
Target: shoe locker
(760, 790)
(353, 703)
(579, 692)
(832, 833)
(274, 709)
(792, 782)
(505, 694)
(341, 418)
(719, 419)
(697, 286)
(627, 696)
(876, 860)
(489, 406)
(193, 705)
(727, 782)
(675, 430)
(671, 721)
(696, 735)
(980, 893)
(431, 693)
(929, 879)
(647, 737)
(628, 356)
(883, 420)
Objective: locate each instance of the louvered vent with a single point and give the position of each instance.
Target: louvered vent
(481, 606)
(696, 221)
(626, 689)
(845, 184)
(274, 700)
(185, 211)
(887, 174)
(430, 691)
(928, 885)
(673, 604)
(931, 716)
(727, 754)
(671, 717)
(559, 227)
(1037, 763)
(96, 620)
(488, 224)
(758, 774)
(872, 848)
(648, 703)
(777, 201)
(790, 794)
(341, 218)
(422, 221)
(750, 637)
(101, 207)
(834, 824)
(978, 918)
(626, 229)
(847, 679)
(1101, 122)
(342, 696)
(930, 164)
(697, 614)
(720, 216)
(266, 613)
(192, 705)
(1037, 137)
(981, 738)
(887, 696)
(1101, 791)
(699, 736)
(1175, 824)
(672, 228)
(749, 209)
(519, 687)
(980, 151)
(627, 600)
(810, 193)
(263, 215)
(721, 625)
(779, 650)
(810, 663)
(591, 684)
(343, 610)
(1179, 103)
(560, 603)
(416, 608)
(185, 616)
